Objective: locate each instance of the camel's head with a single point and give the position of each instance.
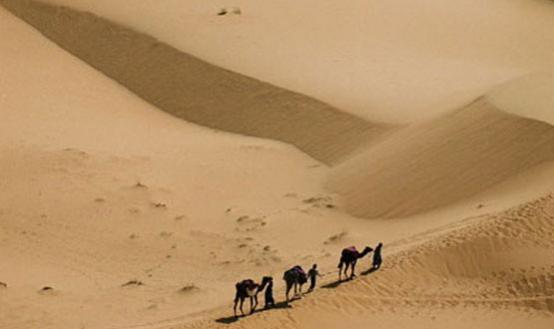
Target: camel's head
(367, 249)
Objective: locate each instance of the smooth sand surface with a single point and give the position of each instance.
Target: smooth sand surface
(116, 213)
(197, 91)
(439, 162)
(392, 61)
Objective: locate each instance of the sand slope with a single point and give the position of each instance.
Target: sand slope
(437, 163)
(136, 219)
(196, 91)
(394, 61)
(493, 270)
(100, 188)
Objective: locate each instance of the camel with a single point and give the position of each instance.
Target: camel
(249, 288)
(349, 257)
(294, 277)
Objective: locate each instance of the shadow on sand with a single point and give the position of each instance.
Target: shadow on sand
(283, 305)
(231, 319)
(369, 271)
(335, 284)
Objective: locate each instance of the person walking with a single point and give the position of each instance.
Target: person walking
(313, 273)
(269, 301)
(377, 259)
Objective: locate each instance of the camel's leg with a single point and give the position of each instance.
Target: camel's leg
(237, 297)
(346, 266)
(288, 290)
(255, 298)
(340, 272)
(352, 274)
(241, 302)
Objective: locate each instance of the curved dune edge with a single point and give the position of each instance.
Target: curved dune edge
(495, 262)
(196, 91)
(530, 96)
(443, 161)
(502, 259)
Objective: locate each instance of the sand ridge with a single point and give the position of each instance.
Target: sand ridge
(197, 91)
(437, 163)
(494, 263)
(116, 214)
(394, 61)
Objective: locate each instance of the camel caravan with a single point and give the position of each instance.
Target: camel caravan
(296, 277)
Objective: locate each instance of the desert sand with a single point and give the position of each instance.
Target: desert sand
(155, 153)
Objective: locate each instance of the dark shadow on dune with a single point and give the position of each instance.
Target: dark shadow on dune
(277, 306)
(232, 319)
(197, 91)
(369, 271)
(228, 320)
(333, 284)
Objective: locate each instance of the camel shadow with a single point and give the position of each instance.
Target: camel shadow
(335, 284)
(232, 319)
(228, 319)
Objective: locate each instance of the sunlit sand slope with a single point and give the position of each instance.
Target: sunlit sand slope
(196, 91)
(483, 270)
(394, 61)
(128, 214)
(442, 161)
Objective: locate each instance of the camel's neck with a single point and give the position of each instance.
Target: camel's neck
(364, 252)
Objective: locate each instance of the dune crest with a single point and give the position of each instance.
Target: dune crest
(443, 161)
(480, 267)
(531, 96)
(197, 91)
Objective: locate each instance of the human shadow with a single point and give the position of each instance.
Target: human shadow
(232, 319)
(277, 306)
(369, 271)
(334, 284)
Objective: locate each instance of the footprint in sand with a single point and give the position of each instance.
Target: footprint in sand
(335, 238)
(188, 289)
(133, 283)
(47, 290)
(165, 234)
(247, 223)
(134, 210)
(320, 202)
(140, 185)
(159, 205)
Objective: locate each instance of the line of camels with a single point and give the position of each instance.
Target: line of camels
(295, 277)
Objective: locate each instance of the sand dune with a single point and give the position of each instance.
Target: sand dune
(116, 214)
(443, 161)
(495, 267)
(196, 91)
(100, 188)
(393, 61)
